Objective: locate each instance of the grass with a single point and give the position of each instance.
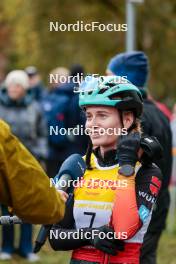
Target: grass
(167, 249)
(166, 252)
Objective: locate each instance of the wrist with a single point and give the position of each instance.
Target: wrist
(126, 170)
(127, 174)
(88, 235)
(127, 160)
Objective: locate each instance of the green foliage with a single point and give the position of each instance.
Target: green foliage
(25, 38)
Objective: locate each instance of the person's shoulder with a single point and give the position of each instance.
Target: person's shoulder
(149, 171)
(148, 104)
(153, 168)
(151, 107)
(5, 135)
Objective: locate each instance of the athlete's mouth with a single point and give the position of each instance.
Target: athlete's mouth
(95, 135)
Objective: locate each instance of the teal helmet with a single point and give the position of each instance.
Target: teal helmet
(110, 91)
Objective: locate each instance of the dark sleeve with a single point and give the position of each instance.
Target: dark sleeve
(146, 122)
(148, 184)
(74, 110)
(64, 236)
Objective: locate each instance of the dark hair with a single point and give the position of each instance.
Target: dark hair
(88, 155)
(76, 69)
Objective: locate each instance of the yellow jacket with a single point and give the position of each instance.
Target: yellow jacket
(24, 185)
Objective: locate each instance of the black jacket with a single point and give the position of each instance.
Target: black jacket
(155, 123)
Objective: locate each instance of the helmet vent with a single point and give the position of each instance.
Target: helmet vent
(101, 91)
(115, 97)
(90, 92)
(112, 85)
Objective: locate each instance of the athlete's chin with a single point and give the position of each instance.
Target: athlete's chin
(98, 141)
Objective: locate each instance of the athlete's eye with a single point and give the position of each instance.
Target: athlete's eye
(88, 116)
(102, 116)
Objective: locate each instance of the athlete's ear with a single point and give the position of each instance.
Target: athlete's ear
(128, 118)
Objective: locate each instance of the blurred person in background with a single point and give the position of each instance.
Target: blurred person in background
(135, 66)
(173, 127)
(166, 111)
(36, 85)
(172, 187)
(174, 112)
(80, 141)
(62, 112)
(23, 114)
(77, 70)
(54, 116)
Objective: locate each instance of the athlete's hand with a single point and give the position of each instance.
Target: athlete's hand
(128, 149)
(106, 243)
(64, 195)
